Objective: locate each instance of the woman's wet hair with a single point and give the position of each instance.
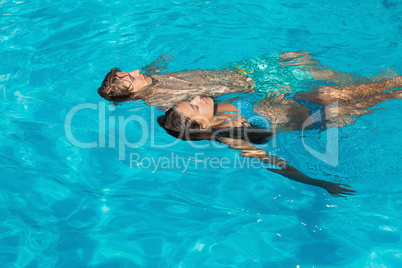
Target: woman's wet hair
(184, 128)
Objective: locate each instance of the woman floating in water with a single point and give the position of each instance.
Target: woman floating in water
(240, 123)
(166, 89)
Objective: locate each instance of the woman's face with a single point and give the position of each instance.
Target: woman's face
(134, 81)
(200, 109)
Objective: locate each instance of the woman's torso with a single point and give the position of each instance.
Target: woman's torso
(238, 113)
(278, 115)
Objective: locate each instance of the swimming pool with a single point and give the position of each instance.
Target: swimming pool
(66, 206)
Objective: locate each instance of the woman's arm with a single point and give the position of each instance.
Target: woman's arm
(286, 170)
(335, 189)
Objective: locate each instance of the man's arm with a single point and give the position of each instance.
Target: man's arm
(158, 65)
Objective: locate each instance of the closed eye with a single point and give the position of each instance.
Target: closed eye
(129, 76)
(195, 108)
(132, 77)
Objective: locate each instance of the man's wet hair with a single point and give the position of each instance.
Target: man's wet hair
(113, 89)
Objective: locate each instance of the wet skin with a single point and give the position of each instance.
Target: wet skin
(200, 109)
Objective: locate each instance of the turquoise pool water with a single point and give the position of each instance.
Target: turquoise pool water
(66, 206)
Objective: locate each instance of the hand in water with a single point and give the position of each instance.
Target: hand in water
(159, 64)
(336, 190)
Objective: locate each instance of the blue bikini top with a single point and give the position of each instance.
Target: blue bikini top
(246, 109)
(316, 110)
